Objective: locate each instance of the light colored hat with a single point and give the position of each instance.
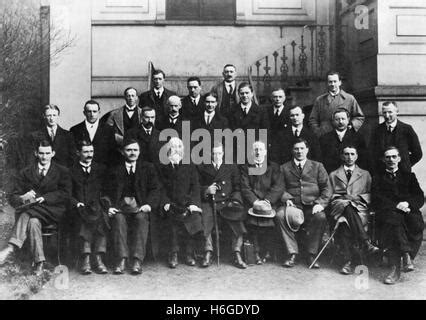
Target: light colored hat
(294, 217)
(262, 210)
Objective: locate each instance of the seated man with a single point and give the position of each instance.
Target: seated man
(41, 195)
(397, 199)
(133, 194)
(351, 187)
(88, 181)
(306, 186)
(261, 188)
(181, 202)
(223, 182)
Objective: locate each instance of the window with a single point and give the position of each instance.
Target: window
(200, 10)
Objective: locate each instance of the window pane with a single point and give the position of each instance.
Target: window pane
(183, 10)
(200, 9)
(218, 9)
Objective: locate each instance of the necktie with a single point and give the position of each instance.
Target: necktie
(208, 119)
(300, 167)
(52, 134)
(296, 133)
(392, 175)
(131, 170)
(231, 91)
(349, 174)
(216, 166)
(43, 172)
(172, 121)
(148, 132)
(244, 111)
(389, 129)
(194, 103)
(158, 95)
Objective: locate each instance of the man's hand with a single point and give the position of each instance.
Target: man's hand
(193, 207)
(39, 199)
(28, 196)
(317, 208)
(403, 206)
(145, 208)
(349, 197)
(166, 207)
(80, 204)
(289, 203)
(212, 189)
(112, 212)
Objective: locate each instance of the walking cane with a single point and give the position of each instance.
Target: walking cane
(216, 229)
(326, 244)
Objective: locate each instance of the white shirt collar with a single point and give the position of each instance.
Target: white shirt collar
(129, 166)
(197, 99)
(219, 163)
(341, 134)
(85, 164)
(392, 125)
(301, 162)
(346, 168)
(47, 167)
(147, 129)
(280, 109)
(334, 94)
(54, 129)
(130, 109)
(92, 128)
(211, 114)
(161, 90)
(227, 84)
(390, 171)
(246, 107)
(299, 128)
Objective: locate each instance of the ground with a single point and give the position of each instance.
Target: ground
(269, 281)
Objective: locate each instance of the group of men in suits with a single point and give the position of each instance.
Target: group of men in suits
(117, 182)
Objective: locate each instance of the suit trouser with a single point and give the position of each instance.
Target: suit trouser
(261, 237)
(99, 245)
(29, 227)
(179, 232)
(402, 233)
(313, 227)
(347, 236)
(235, 226)
(137, 224)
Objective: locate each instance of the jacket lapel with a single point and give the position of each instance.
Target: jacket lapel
(355, 175)
(294, 170)
(119, 119)
(341, 175)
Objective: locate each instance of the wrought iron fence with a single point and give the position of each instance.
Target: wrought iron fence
(296, 61)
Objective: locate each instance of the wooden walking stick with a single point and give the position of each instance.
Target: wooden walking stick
(216, 229)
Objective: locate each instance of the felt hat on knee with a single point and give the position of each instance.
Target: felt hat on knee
(294, 217)
(261, 215)
(233, 210)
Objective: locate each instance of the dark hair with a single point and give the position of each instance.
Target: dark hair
(158, 71)
(391, 148)
(244, 85)
(130, 88)
(332, 73)
(278, 89)
(51, 107)
(294, 107)
(300, 140)
(340, 110)
(210, 94)
(92, 102)
(229, 65)
(83, 143)
(42, 143)
(194, 79)
(147, 109)
(388, 103)
(128, 141)
(348, 145)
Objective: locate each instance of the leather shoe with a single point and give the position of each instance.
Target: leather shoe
(238, 261)
(407, 264)
(136, 267)
(119, 269)
(5, 254)
(347, 268)
(99, 265)
(85, 265)
(173, 260)
(393, 276)
(207, 260)
(371, 249)
(311, 259)
(290, 262)
(258, 259)
(39, 268)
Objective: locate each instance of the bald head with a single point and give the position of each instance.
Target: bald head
(173, 106)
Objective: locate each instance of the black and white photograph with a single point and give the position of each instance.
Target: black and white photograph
(197, 151)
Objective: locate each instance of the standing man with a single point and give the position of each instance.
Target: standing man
(43, 189)
(397, 199)
(262, 192)
(351, 187)
(148, 136)
(181, 202)
(173, 117)
(99, 134)
(306, 187)
(88, 183)
(226, 90)
(126, 117)
(223, 182)
(158, 96)
(333, 142)
(193, 103)
(62, 140)
(210, 119)
(278, 114)
(326, 104)
(393, 132)
(281, 146)
(133, 194)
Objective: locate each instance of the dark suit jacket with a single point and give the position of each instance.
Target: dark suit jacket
(387, 193)
(217, 122)
(281, 145)
(150, 145)
(331, 149)
(406, 141)
(261, 187)
(115, 120)
(309, 187)
(63, 145)
(147, 186)
(218, 89)
(189, 112)
(257, 118)
(55, 188)
(103, 142)
(282, 122)
(181, 186)
(146, 99)
(164, 123)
